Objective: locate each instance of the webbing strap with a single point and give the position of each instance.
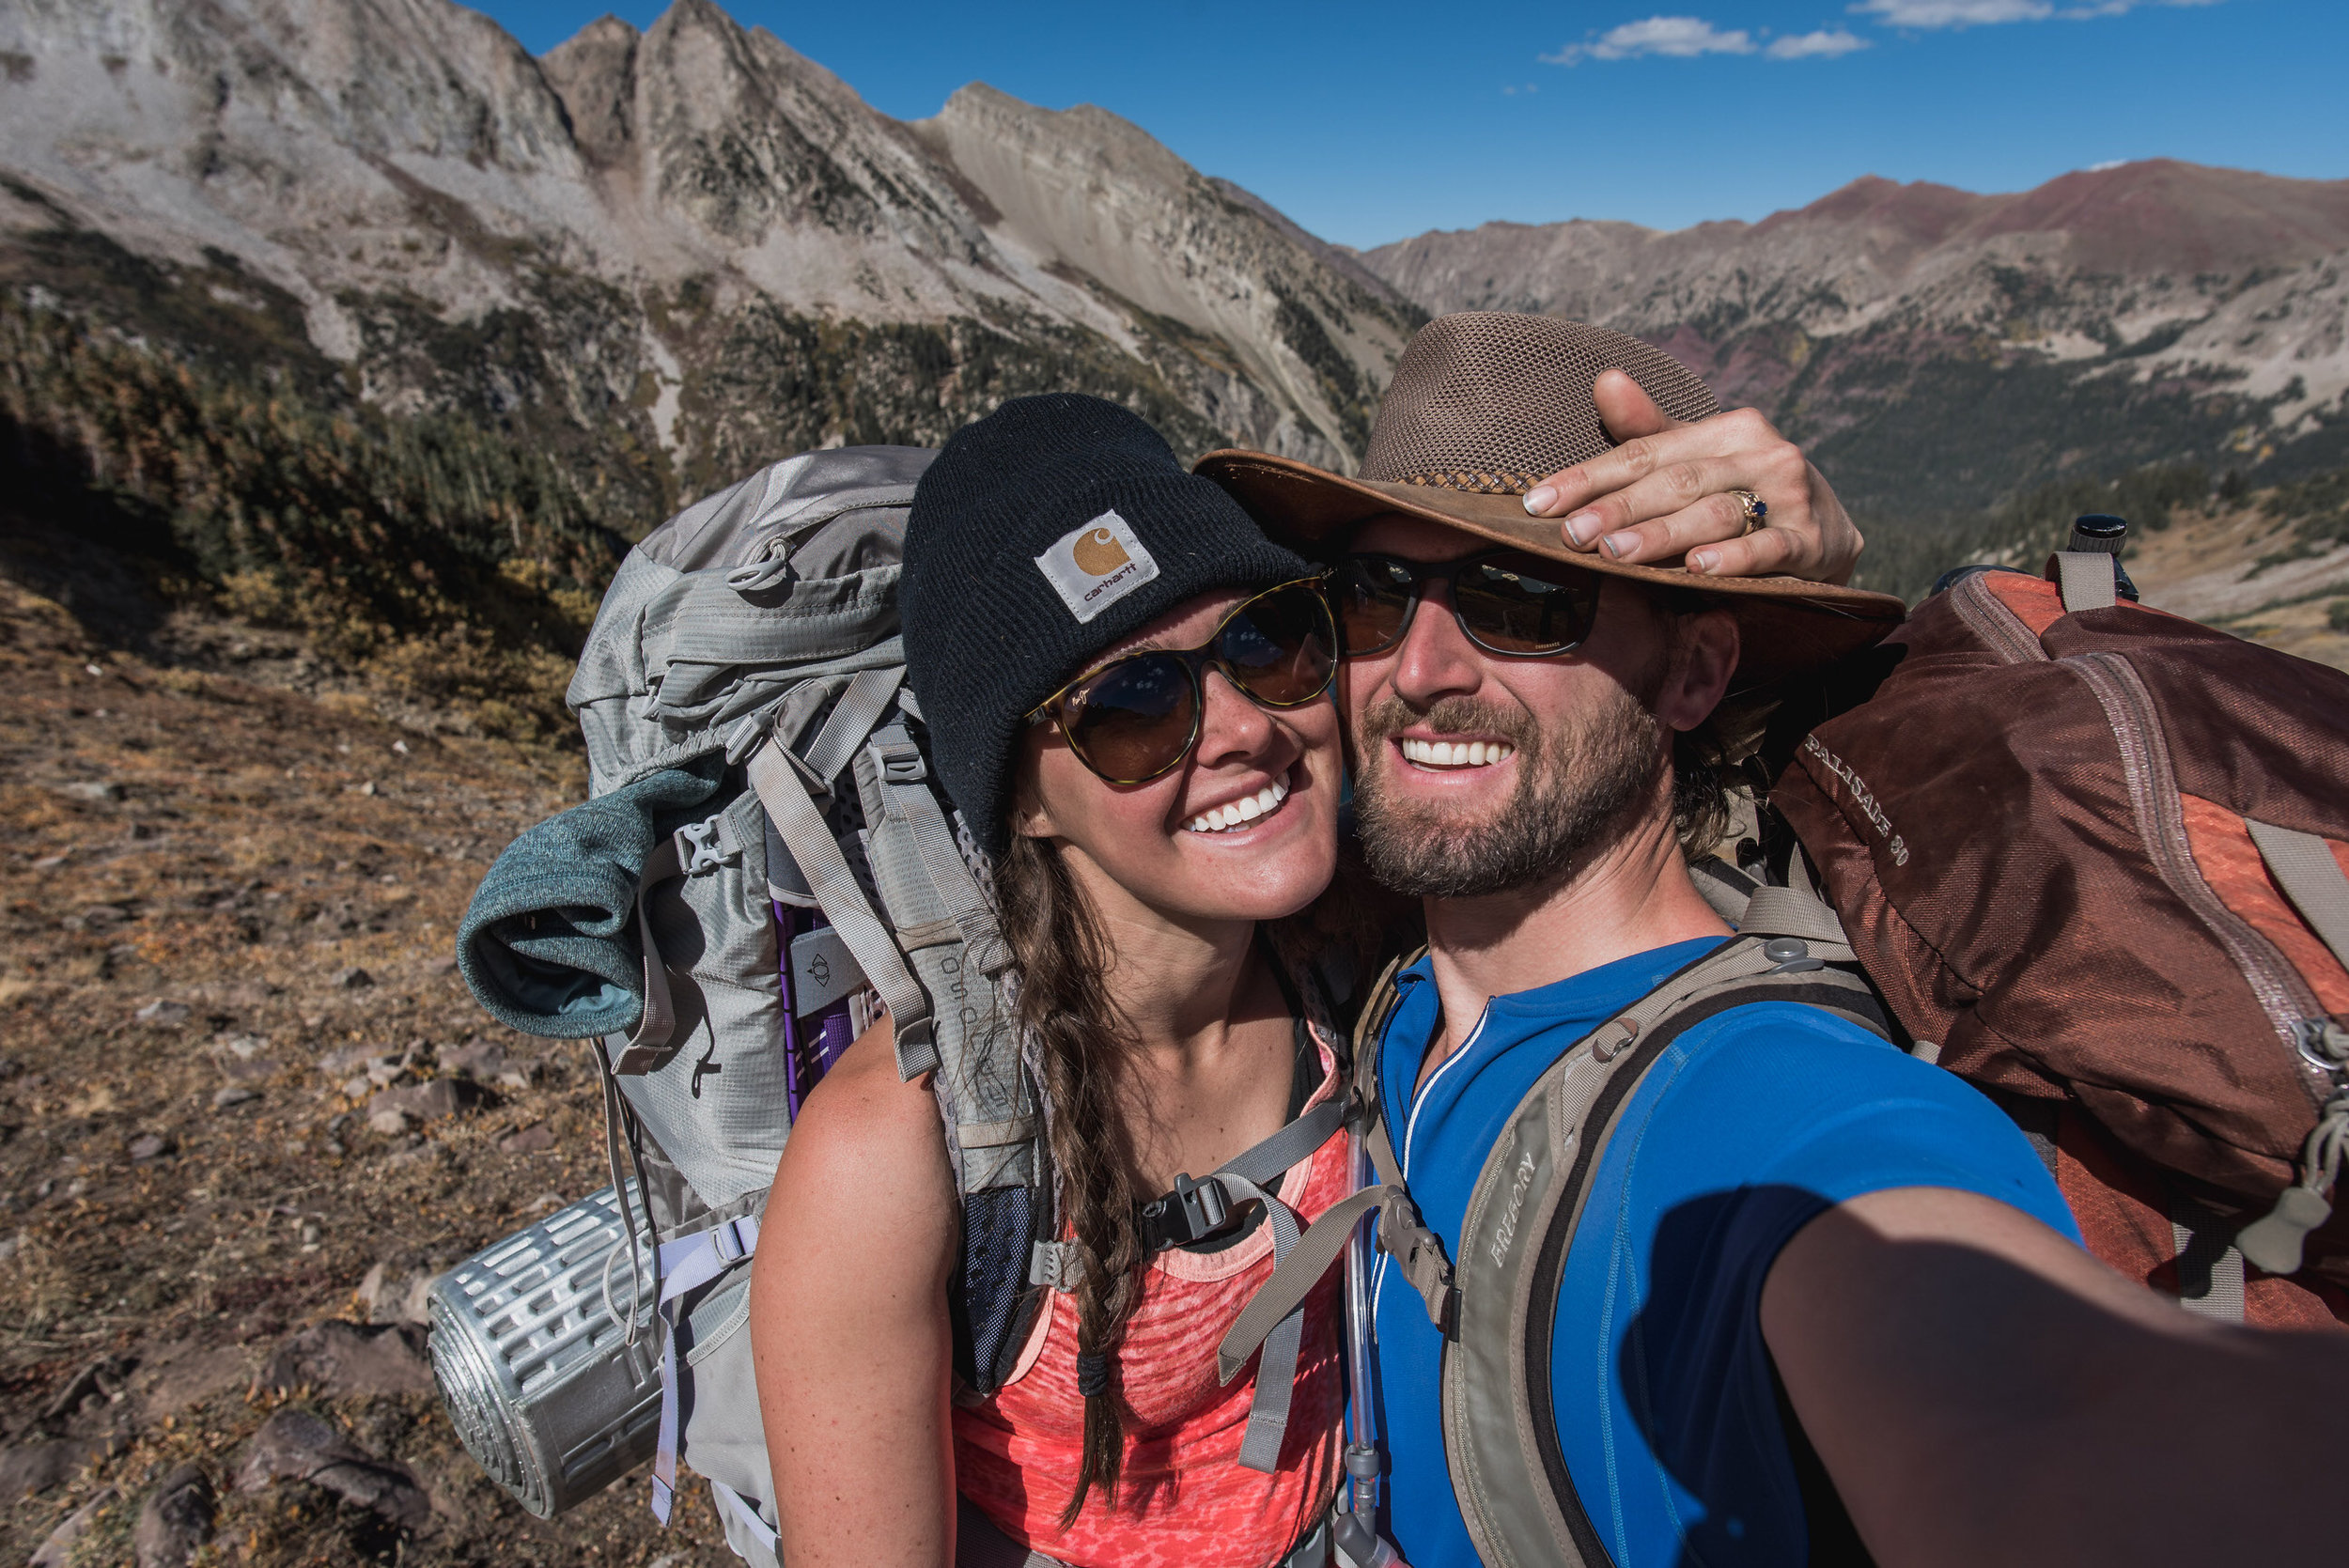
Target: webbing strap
(2209, 1262)
(1276, 1373)
(800, 826)
(1794, 912)
(853, 716)
(2303, 865)
(657, 1023)
(1294, 1277)
(614, 1113)
(1267, 1160)
(2090, 579)
(897, 763)
(747, 1516)
(687, 1265)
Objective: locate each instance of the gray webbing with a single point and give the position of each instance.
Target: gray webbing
(1297, 1141)
(1402, 1236)
(1276, 1373)
(1294, 1277)
(2209, 1262)
(853, 716)
(2304, 867)
(650, 1038)
(615, 1114)
(934, 843)
(800, 826)
(1792, 912)
(2089, 579)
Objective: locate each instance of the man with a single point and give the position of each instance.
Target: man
(1819, 1300)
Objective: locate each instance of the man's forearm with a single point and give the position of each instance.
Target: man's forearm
(1983, 1391)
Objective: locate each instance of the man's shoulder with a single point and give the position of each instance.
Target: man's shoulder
(1779, 1093)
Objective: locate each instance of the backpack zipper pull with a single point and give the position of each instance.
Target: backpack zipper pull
(2274, 1244)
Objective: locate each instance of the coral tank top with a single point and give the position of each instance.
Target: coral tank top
(1184, 1498)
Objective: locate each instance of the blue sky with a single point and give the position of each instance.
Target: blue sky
(1372, 121)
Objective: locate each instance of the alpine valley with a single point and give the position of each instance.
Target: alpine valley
(344, 345)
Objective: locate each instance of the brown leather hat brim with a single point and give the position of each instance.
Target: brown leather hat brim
(1786, 624)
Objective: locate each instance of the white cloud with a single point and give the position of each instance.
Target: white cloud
(1980, 13)
(1821, 45)
(1953, 13)
(1679, 36)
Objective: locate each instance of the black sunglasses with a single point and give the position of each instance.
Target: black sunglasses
(1509, 602)
(1136, 717)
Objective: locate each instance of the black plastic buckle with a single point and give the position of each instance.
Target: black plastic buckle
(1192, 1211)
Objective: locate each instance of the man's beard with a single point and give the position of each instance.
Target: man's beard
(1577, 785)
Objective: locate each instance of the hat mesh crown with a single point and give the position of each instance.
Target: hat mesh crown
(1493, 402)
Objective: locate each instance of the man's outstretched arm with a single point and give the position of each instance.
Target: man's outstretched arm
(1982, 1390)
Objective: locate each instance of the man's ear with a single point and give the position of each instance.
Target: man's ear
(1702, 663)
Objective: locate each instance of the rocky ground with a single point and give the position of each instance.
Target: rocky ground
(247, 1108)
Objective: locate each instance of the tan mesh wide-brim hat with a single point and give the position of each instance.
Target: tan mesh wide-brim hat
(1486, 405)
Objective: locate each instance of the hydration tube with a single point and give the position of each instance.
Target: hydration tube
(1358, 1540)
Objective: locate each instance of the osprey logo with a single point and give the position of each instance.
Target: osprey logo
(1095, 565)
(1505, 1234)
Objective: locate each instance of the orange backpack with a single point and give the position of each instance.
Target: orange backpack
(2092, 854)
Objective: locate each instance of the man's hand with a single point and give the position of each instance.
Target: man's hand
(1663, 493)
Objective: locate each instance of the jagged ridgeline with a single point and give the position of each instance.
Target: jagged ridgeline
(398, 332)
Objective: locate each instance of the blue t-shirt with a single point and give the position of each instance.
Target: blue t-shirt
(1749, 1126)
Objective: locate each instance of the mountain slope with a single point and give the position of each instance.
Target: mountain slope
(692, 246)
(1939, 349)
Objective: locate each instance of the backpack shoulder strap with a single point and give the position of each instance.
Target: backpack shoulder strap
(1417, 1251)
(1500, 1432)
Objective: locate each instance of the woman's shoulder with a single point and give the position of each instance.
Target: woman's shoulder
(865, 1134)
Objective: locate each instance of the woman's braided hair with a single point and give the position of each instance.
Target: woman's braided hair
(1081, 1042)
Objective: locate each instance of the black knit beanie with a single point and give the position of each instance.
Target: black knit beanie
(1043, 534)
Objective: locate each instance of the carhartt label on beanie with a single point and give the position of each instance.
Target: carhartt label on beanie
(1095, 564)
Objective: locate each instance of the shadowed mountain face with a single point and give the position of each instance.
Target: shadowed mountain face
(1939, 349)
(669, 255)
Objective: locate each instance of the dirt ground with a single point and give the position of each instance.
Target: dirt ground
(227, 902)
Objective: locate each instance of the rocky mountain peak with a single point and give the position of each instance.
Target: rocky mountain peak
(1940, 349)
(692, 242)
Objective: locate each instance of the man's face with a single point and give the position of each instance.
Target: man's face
(1476, 774)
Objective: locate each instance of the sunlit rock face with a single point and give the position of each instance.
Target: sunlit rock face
(690, 243)
(1941, 347)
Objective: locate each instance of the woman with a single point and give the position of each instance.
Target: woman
(1147, 819)
(1147, 815)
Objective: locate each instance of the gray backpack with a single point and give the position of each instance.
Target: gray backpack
(746, 658)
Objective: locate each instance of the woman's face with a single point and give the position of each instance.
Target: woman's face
(1156, 843)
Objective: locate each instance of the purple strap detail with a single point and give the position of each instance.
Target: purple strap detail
(787, 927)
(814, 1042)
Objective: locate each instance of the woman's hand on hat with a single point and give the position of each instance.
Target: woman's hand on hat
(1669, 490)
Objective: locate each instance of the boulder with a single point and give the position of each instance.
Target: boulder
(477, 1059)
(336, 1358)
(534, 1138)
(425, 1102)
(54, 1551)
(35, 1468)
(293, 1445)
(176, 1519)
